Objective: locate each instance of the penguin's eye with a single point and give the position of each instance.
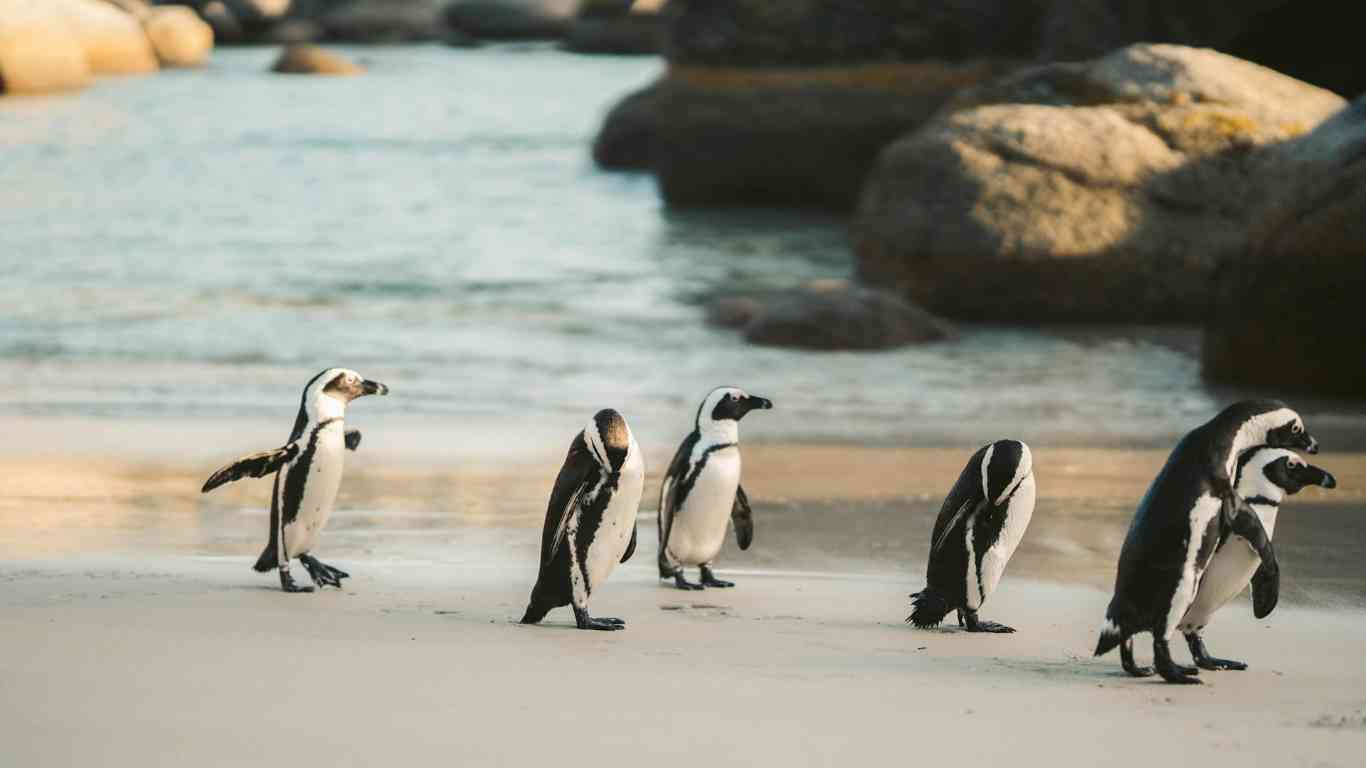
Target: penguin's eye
(1296, 428)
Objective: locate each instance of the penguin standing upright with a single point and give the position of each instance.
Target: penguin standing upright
(701, 491)
(590, 523)
(1265, 477)
(308, 471)
(980, 525)
(1188, 510)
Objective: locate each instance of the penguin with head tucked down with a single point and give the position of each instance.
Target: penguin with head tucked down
(308, 471)
(981, 523)
(1190, 508)
(1265, 477)
(590, 523)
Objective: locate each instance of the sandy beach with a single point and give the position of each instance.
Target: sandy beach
(135, 633)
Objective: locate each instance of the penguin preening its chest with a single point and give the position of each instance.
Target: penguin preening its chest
(1188, 510)
(981, 523)
(701, 493)
(590, 523)
(308, 472)
(1265, 477)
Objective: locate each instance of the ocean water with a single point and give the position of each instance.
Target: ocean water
(198, 244)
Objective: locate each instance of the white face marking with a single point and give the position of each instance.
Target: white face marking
(724, 430)
(1253, 433)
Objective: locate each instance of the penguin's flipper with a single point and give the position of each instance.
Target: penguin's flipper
(942, 532)
(1266, 591)
(255, 465)
(569, 485)
(631, 547)
(743, 517)
(1266, 582)
(352, 439)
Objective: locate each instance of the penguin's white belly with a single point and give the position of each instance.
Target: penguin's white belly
(699, 526)
(618, 522)
(320, 491)
(1204, 510)
(1229, 572)
(1018, 513)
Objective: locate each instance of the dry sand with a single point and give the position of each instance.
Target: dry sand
(132, 631)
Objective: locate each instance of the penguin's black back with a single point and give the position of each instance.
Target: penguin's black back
(946, 575)
(579, 475)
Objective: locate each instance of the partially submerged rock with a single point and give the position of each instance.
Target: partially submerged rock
(1100, 191)
(383, 21)
(511, 19)
(827, 315)
(1287, 310)
(311, 60)
(178, 36)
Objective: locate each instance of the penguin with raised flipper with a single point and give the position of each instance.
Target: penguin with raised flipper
(590, 523)
(308, 471)
(1265, 477)
(701, 492)
(981, 523)
(1188, 510)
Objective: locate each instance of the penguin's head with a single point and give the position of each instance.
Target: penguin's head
(1287, 471)
(1270, 423)
(729, 404)
(1289, 432)
(345, 385)
(608, 438)
(1005, 465)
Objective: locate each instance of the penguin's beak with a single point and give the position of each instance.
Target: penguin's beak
(1311, 445)
(1324, 478)
(754, 403)
(369, 387)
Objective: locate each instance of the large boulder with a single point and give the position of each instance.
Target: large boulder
(311, 60)
(383, 21)
(616, 27)
(1101, 191)
(179, 36)
(799, 137)
(1286, 313)
(827, 315)
(39, 52)
(113, 39)
(511, 19)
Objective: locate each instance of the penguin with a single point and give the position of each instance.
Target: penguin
(1265, 477)
(701, 490)
(1188, 510)
(590, 523)
(981, 523)
(308, 471)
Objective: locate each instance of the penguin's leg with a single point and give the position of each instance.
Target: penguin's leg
(668, 569)
(682, 582)
(287, 582)
(1168, 669)
(322, 574)
(282, 557)
(1126, 659)
(585, 621)
(959, 614)
(709, 579)
(969, 616)
(1202, 658)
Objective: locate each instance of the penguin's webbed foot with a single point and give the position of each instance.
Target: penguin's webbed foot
(287, 583)
(709, 579)
(1170, 671)
(323, 574)
(969, 616)
(682, 582)
(585, 621)
(1205, 661)
(1126, 660)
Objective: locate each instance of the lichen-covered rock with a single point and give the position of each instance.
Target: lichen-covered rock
(1100, 191)
(311, 60)
(827, 315)
(39, 53)
(1287, 312)
(179, 37)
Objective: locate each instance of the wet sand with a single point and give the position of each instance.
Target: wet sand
(132, 631)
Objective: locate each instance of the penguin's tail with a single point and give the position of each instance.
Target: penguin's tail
(536, 610)
(928, 608)
(267, 560)
(1111, 633)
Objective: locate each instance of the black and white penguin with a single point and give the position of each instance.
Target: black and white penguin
(980, 525)
(1188, 510)
(1265, 477)
(308, 471)
(590, 523)
(701, 493)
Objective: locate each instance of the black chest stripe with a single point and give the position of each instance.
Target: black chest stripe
(297, 476)
(685, 484)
